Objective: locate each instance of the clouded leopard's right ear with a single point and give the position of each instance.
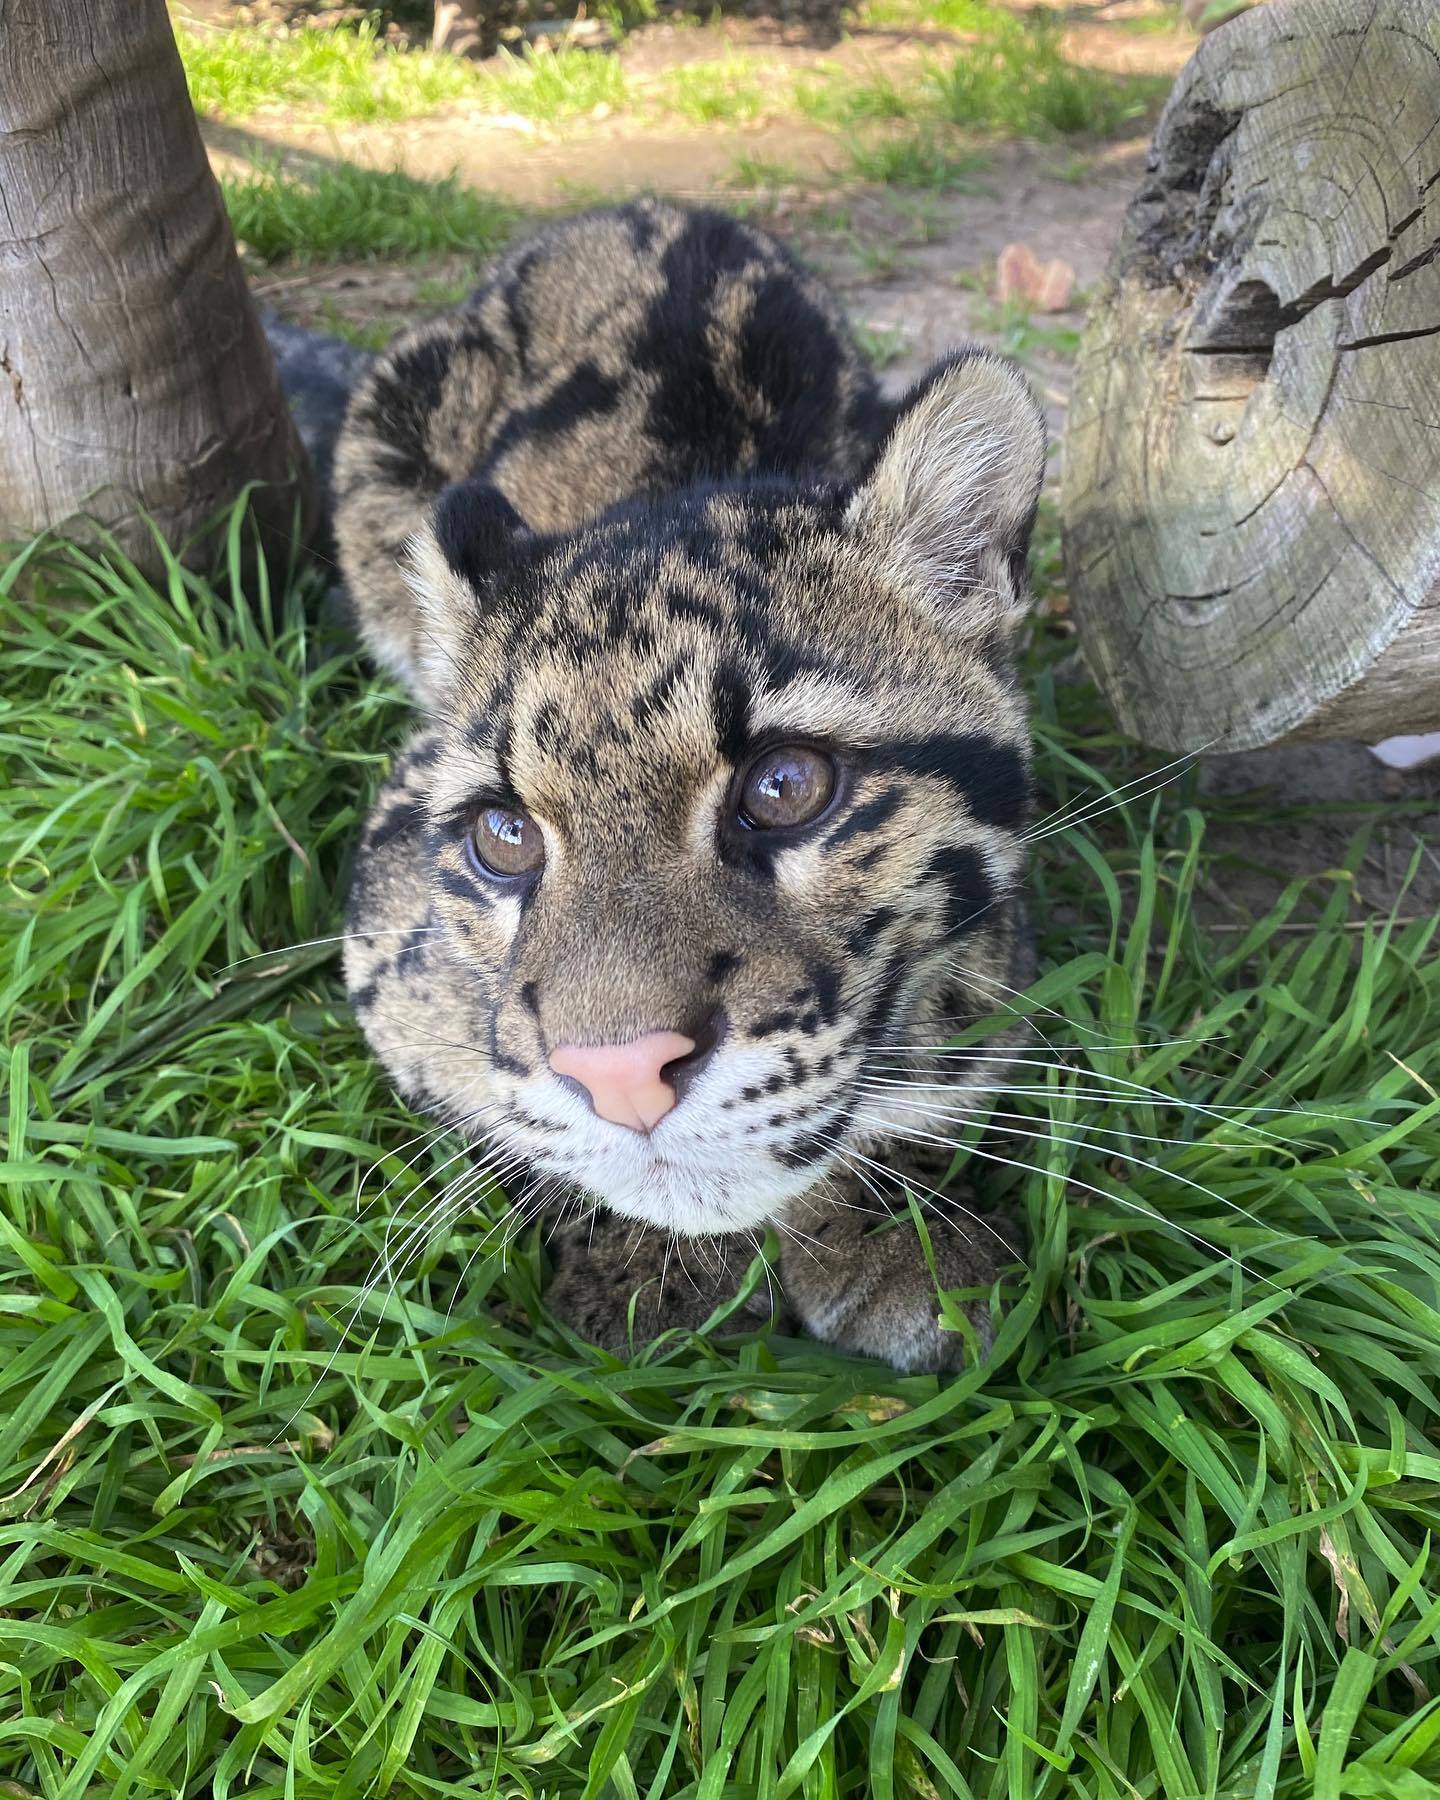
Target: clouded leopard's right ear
(452, 562)
(949, 502)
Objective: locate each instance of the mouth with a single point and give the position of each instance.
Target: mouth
(701, 1170)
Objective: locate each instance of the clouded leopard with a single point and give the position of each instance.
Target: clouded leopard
(713, 816)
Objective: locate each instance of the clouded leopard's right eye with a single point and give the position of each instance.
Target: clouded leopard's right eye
(507, 843)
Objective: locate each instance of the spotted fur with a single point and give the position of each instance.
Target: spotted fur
(636, 513)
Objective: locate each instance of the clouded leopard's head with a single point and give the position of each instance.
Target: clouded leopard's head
(728, 801)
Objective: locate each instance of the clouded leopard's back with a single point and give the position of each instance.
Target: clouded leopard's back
(622, 352)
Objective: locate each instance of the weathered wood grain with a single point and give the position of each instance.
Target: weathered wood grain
(1252, 457)
(133, 370)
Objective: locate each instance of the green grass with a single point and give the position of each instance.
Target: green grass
(928, 157)
(766, 173)
(348, 75)
(1014, 81)
(345, 74)
(1014, 327)
(553, 87)
(731, 90)
(881, 344)
(444, 292)
(1020, 81)
(268, 1532)
(972, 18)
(1154, 24)
(364, 334)
(343, 210)
(832, 96)
(1011, 77)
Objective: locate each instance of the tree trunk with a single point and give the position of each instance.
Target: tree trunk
(1252, 459)
(470, 27)
(133, 370)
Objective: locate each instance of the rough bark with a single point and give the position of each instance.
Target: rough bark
(470, 27)
(133, 370)
(1252, 459)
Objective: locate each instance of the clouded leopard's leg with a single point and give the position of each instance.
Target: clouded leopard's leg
(861, 1281)
(607, 1265)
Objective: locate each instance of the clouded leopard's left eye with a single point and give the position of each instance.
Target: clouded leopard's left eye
(785, 787)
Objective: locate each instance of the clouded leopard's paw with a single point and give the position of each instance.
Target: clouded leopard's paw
(620, 1284)
(866, 1286)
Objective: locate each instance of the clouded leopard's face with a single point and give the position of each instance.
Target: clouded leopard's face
(723, 806)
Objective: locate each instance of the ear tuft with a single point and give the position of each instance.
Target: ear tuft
(471, 535)
(949, 501)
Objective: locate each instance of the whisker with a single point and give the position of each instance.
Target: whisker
(1100, 1041)
(1028, 1059)
(1092, 810)
(1102, 1096)
(922, 1187)
(1157, 1096)
(340, 937)
(375, 1275)
(465, 1149)
(1134, 1205)
(982, 1111)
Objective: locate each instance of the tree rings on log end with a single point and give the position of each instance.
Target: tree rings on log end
(1252, 456)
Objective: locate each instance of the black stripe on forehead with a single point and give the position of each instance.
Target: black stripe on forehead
(730, 707)
(657, 693)
(990, 777)
(503, 746)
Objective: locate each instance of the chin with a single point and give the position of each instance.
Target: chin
(688, 1191)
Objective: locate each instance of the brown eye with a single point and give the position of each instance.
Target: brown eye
(507, 843)
(789, 786)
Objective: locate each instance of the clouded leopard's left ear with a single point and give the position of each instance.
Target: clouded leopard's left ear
(452, 563)
(949, 501)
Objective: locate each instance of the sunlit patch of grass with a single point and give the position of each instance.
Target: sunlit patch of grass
(552, 86)
(345, 73)
(1010, 76)
(341, 209)
(1019, 80)
(833, 96)
(972, 17)
(731, 90)
(1152, 24)
(1014, 80)
(348, 73)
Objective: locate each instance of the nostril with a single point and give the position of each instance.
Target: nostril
(685, 1071)
(624, 1082)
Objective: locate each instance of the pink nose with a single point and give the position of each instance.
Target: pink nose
(624, 1080)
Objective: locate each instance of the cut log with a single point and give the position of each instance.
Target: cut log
(133, 370)
(1251, 495)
